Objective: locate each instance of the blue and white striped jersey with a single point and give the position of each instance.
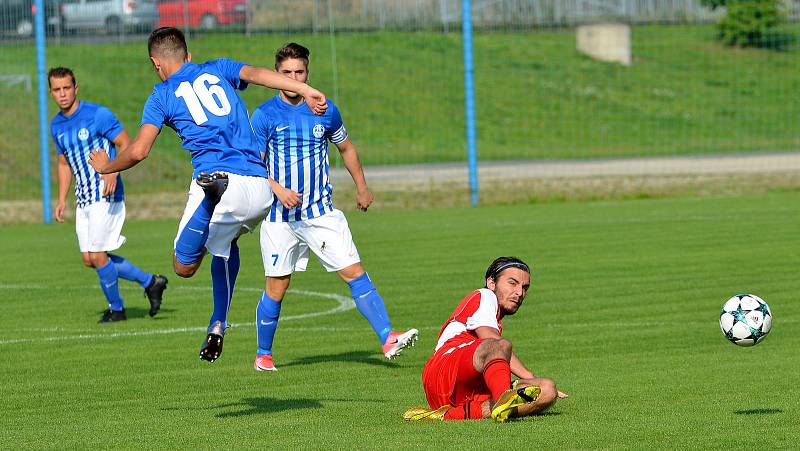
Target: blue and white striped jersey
(90, 127)
(200, 103)
(295, 142)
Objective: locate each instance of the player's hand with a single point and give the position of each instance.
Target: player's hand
(364, 199)
(109, 183)
(562, 395)
(98, 159)
(59, 211)
(287, 197)
(316, 101)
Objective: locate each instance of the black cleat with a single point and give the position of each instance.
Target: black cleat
(110, 316)
(155, 292)
(212, 347)
(214, 185)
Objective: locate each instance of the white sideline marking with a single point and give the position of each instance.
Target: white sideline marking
(344, 304)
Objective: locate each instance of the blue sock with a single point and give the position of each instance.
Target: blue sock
(129, 271)
(370, 304)
(193, 237)
(267, 314)
(108, 282)
(223, 280)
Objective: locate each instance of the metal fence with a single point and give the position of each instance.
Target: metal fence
(395, 68)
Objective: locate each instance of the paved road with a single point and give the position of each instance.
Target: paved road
(538, 169)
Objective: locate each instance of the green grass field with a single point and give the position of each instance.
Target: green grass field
(401, 95)
(622, 313)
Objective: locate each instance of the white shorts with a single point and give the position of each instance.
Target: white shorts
(243, 205)
(99, 226)
(285, 245)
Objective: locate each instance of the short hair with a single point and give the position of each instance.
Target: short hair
(60, 72)
(291, 50)
(168, 42)
(500, 264)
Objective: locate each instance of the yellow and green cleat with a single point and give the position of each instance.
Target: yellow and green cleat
(421, 413)
(511, 399)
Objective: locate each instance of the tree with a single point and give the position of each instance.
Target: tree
(747, 23)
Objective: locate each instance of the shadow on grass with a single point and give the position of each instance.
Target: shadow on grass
(255, 406)
(135, 312)
(758, 411)
(369, 358)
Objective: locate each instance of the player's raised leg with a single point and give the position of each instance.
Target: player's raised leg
(371, 306)
(153, 284)
(223, 280)
(191, 241)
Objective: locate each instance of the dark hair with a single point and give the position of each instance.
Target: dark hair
(291, 50)
(60, 72)
(168, 42)
(500, 264)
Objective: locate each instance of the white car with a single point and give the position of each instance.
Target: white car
(111, 15)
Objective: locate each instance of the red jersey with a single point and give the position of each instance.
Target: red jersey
(478, 309)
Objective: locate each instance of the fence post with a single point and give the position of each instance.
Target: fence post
(469, 100)
(44, 156)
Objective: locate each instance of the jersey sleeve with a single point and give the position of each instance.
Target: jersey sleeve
(107, 123)
(261, 128)
(486, 313)
(230, 69)
(336, 133)
(154, 112)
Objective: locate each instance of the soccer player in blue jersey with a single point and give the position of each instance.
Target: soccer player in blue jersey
(78, 128)
(295, 142)
(231, 194)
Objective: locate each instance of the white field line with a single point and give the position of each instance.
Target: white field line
(344, 304)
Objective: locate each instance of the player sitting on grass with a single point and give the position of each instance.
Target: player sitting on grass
(303, 218)
(100, 212)
(469, 374)
(231, 194)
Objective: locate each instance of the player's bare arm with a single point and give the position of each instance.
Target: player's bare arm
(353, 164)
(128, 157)
(287, 197)
(269, 78)
(64, 173)
(110, 180)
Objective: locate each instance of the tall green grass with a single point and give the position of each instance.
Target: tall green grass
(401, 95)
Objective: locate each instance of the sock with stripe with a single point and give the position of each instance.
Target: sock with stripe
(371, 306)
(108, 282)
(129, 271)
(223, 280)
(267, 314)
(472, 410)
(192, 240)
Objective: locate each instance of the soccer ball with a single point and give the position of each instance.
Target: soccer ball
(745, 319)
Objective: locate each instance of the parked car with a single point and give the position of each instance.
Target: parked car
(16, 16)
(205, 14)
(111, 15)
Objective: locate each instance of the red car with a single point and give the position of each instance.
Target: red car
(205, 14)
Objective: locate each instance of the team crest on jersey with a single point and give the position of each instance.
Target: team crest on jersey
(83, 134)
(318, 130)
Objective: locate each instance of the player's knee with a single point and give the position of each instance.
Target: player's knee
(184, 271)
(497, 348)
(549, 392)
(87, 262)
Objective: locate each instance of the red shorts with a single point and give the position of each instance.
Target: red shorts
(449, 376)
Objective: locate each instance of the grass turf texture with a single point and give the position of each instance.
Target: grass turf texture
(401, 96)
(622, 313)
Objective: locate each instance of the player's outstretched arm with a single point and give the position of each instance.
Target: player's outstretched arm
(64, 178)
(353, 164)
(128, 157)
(269, 78)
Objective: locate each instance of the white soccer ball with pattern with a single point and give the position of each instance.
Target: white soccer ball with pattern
(745, 319)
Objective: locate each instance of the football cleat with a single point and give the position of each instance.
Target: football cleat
(511, 399)
(212, 347)
(421, 413)
(214, 185)
(110, 316)
(396, 342)
(155, 292)
(264, 363)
